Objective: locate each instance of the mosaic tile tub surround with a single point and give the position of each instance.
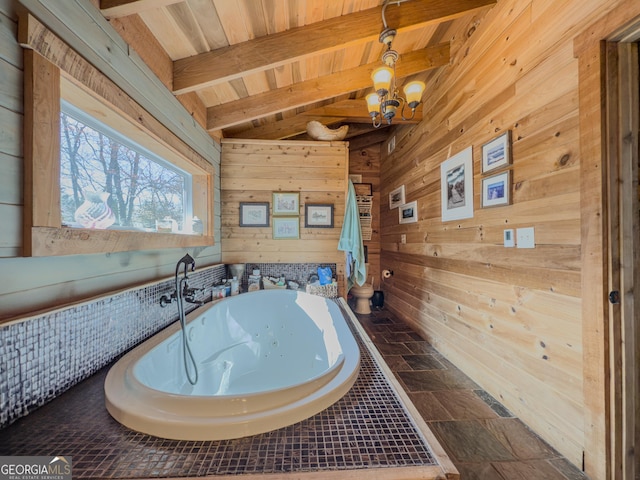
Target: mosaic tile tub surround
(368, 428)
(44, 355)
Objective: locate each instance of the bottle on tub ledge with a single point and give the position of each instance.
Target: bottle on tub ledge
(254, 280)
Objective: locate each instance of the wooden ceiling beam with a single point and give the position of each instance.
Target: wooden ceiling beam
(271, 51)
(124, 8)
(355, 111)
(287, 128)
(347, 111)
(318, 89)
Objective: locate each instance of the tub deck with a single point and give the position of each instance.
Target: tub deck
(366, 434)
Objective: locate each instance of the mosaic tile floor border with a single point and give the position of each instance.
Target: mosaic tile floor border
(367, 428)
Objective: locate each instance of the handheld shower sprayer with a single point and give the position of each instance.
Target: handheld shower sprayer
(186, 260)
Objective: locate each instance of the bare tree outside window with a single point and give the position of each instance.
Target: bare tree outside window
(97, 167)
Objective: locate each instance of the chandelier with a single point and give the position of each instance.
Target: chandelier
(385, 100)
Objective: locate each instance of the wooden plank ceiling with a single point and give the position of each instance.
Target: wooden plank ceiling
(264, 68)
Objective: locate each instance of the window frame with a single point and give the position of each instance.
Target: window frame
(65, 74)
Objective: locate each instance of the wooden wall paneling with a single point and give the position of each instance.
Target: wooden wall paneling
(40, 283)
(10, 51)
(446, 328)
(84, 27)
(11, 232)
(143, 44)
(11, 171)
(251, 170)
(499, 80)
(599, 457)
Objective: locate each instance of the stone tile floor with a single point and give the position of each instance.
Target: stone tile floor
(482, 438)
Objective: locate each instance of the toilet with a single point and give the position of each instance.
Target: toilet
(363, 295)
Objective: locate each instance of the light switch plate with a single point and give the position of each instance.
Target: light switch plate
(509, 238)
(525, 238)
(392, 145)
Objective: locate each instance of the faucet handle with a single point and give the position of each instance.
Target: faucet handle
(166, 300)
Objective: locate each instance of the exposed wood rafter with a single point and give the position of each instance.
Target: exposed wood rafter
(271, 51)
(318, 89)
(124, 8)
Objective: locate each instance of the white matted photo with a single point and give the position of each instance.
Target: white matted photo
(408, 213)
(456, 185)
(496, 190)
(396, 197)
(497, 152)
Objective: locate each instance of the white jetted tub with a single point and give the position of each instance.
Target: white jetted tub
(266, 359)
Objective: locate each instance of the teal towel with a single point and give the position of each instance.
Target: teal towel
(351, 240)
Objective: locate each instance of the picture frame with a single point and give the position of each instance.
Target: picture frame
(355, 177)
(254, 214)
(497, 153)
(286, 203)
(286, 228)
(318, 215)
(496, 190)
(363, 189)
(456, 186)
(396, 197)
(408, 213)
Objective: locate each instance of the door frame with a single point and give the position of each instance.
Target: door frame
(609, 350)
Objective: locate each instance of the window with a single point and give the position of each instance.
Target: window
(108, 181)
(149, 183)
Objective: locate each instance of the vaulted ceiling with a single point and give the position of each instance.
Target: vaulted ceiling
(265, 68)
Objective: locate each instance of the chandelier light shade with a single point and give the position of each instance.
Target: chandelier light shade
(413, 93)
(382, 77)
(385, 102)
(373, 104)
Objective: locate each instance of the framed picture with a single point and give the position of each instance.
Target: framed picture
(286, 203)
(496, 190)
(497, 152)
(286, 228)
(355, 177)
(408, 213)
(254, 214)
(363, 188)
(456, 185)
(318, 215)
(396, 197)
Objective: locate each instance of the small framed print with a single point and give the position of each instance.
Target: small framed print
(396, 197)
(408, 213)
(363, 189)
(286, 228)
(496, 190)
(286, 203)
(355, 177)
(497, 153)
(318, 215)
(254, 214)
